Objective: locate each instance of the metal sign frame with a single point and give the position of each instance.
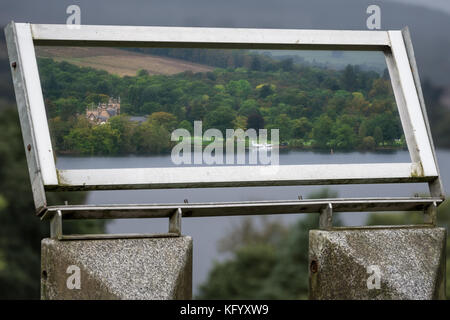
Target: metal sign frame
(398, 51)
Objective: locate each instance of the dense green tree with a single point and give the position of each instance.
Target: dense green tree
(362, 131)
(358, 104)
(255, 121)
(301, 128)
(58, 130)
(196, 111)
(67, 107)
(240, 88)
(124, 129)
(380, 88)
(240, 122)
(152, 137)
(265, 90)
(222, 118)
(344, 136)
(378, 135)
(164, 119)
(186, 125)
(368, 143)
(248, 107)
(349, 79)
(142, 73)
(79, 141)
(285, 126)
(148, 107)
(322, 130)
(96, 98)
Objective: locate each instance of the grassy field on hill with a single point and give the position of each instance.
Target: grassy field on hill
(119, 62)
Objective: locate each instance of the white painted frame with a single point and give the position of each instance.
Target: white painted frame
(21, 38)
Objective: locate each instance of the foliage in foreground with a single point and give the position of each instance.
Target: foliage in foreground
(20, 230)
(272, 262)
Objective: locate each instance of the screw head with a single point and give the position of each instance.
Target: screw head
(314, 266)
(29, 147)
(14, 65)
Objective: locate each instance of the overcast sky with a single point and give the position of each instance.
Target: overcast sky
(441, 5)
(251, 13)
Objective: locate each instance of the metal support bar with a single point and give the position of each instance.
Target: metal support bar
(56, 230)
(222, 209)
(56, 226)
(435, 186)
(430, 214)
(175, 222)
(326, 217)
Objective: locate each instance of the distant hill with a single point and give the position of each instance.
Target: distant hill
(429, 28)
(337, 60)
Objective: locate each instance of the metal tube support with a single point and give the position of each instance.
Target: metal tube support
(175, 222)
(56, 231)
(326, 217)
(430, 214)
(56, 226)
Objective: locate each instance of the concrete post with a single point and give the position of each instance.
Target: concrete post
(146, 268)
(377, 263)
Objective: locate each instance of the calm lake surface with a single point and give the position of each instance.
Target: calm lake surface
(206, 232)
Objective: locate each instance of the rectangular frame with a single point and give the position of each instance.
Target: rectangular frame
(396, 45)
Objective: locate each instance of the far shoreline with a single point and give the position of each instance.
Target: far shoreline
(283, 149)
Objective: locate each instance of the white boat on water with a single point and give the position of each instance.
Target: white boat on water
(261, 145)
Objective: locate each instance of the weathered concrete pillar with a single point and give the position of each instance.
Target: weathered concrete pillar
(146, 268)
(377, 263)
